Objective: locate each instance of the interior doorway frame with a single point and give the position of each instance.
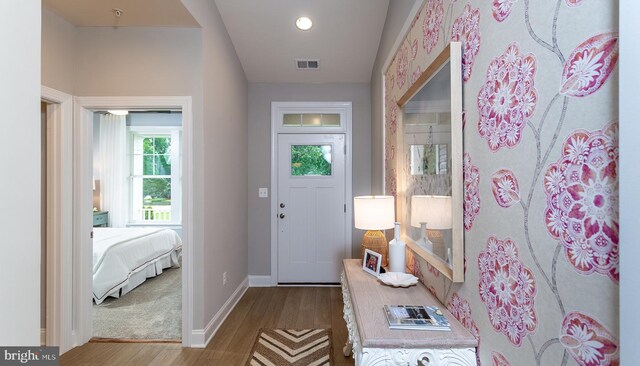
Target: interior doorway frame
(59, 237)
(278, 109)
(84, 108)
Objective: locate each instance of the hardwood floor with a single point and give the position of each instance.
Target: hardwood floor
(260, 307)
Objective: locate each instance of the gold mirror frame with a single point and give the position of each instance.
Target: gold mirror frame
(452, 53)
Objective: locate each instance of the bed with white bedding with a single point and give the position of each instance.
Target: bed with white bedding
(123, 258)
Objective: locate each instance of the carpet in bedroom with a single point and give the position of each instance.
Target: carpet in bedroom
(153, 310)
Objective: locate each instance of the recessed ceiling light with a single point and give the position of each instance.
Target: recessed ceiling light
(304, 23)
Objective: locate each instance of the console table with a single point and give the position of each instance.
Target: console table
(373, 343)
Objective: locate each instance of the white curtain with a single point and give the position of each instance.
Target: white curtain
(113, 168)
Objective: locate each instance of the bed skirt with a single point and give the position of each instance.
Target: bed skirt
(139, 275)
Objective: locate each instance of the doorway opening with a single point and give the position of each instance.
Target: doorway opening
(148, 213)
(137, 224)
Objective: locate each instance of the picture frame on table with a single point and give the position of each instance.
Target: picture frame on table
(371, 262)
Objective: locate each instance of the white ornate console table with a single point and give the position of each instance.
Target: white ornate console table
(373, 343)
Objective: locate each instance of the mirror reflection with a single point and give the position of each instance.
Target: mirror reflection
(430, 177)
(427, 139)
(429, 159)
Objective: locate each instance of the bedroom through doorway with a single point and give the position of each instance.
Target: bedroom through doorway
(137, 224)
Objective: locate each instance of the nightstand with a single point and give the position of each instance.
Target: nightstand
(101, 218)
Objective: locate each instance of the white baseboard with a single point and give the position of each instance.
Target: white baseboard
(201, 337)
(260, 281)
(43, 336)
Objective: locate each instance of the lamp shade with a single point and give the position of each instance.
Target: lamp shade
(373, 212)
(435, 211)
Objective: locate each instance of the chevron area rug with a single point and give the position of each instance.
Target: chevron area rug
(292, 347)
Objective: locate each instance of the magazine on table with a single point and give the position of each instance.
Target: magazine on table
(416, 317)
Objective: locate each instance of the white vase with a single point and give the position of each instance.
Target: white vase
(397, 249)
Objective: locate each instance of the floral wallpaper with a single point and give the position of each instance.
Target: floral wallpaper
(540, 174)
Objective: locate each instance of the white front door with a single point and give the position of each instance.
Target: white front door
(311, 207)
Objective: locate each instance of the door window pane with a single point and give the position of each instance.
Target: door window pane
(311, 120)
(291, 119)
(310, 160)
(331, 120)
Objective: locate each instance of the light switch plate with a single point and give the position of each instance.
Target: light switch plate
(263, 192)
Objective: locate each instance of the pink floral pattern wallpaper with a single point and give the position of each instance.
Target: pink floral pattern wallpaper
(507, 99)
(588, 342)
(501, 9)
(505, 188)
(497, 359)
(471, 203)
(431, 24)
(461, 310)
(582, 201)
(507, 289)
(466, 29)
(540, 174)
(589, 65)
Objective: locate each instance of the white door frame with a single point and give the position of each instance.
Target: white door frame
(59, 316)
(278, 109)
(83, 203)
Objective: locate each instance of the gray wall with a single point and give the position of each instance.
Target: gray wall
(221, 163)
(20, 188)
(260, 97)
(58, 52)
(397, 14)
(136, 61)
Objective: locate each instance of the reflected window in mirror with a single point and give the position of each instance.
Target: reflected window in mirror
(429, 159)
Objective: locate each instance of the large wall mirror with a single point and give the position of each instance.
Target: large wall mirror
(430, 168)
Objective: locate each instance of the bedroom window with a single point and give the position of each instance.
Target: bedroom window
(156, 177)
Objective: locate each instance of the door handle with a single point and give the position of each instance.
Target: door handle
(282, 216)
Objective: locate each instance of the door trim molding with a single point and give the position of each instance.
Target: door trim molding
(59, 318)
(277, 109)
(83, 202)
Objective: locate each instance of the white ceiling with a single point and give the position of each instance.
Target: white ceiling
(138, 13)
(345, 37)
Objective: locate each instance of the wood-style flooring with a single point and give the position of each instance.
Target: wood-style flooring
(260, 307)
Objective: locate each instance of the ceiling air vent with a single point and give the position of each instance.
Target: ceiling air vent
(307, 64)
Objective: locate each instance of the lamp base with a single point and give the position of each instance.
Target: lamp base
(376, 241)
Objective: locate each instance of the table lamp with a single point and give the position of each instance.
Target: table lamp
(430, 212)
(374, 213)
